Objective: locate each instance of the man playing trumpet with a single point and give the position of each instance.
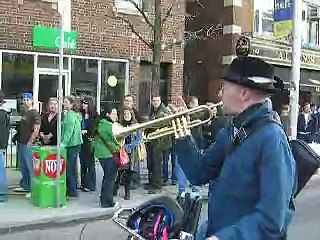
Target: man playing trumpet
(252, 176)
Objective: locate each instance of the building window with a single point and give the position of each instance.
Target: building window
(51, 62)
(263, 17)
(113, 80)
(313, 25)
(84, 78)
(17, 74)
(126, 6)
(17, 78)
(145, 85)
(264, 23)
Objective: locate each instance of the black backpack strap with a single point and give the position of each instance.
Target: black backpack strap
(245, 131)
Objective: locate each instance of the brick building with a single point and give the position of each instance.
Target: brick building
(99, 48)
(207, 56)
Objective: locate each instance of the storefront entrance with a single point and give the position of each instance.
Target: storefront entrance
(46, 86)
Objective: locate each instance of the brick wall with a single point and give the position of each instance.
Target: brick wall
(98, 34)
(16, 21)
(204, 56)
(207, 56)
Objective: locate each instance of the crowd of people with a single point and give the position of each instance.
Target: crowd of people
(88, 136)
(308, 123)
(250, 168)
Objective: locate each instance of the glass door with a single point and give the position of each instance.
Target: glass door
(48, 88)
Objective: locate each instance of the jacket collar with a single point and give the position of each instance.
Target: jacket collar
(252, 114)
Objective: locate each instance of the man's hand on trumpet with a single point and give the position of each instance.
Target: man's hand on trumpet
(180, 126)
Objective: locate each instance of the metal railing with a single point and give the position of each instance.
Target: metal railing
(11, 159)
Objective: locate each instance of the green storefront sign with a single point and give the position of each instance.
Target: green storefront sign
(50, 38)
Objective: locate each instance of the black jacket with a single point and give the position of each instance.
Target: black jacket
(4, 128)
(49, 127)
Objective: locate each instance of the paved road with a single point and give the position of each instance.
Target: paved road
(306, 221)
(101, 230)
(304, 226)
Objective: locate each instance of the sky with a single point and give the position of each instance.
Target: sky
(263, 4)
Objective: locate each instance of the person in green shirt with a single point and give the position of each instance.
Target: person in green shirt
(104, 146)
(71, 139)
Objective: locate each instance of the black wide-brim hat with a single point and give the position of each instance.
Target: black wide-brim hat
(253, 73)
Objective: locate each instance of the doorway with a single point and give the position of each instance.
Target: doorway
(47, 87)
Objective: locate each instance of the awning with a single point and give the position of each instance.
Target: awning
(308, 78)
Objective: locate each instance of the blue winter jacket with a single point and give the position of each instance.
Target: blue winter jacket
(251, 189)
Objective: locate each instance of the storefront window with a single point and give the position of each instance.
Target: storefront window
(17, 77)
(113, 82)
(84, 78)
(51, 62)
(17, 74)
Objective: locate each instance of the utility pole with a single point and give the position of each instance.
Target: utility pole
(60, 98)
(295, 70)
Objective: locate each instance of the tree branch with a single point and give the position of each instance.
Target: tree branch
(199, 3)
(132, 28)
(168, 13)
(140, 10)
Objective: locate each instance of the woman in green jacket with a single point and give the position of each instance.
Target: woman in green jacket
(105, 144)
(71, 139)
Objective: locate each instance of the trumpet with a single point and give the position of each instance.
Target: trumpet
(165, 126)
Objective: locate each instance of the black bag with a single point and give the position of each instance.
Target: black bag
(192, 209)
(307, 160)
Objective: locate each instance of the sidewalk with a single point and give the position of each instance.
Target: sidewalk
(19, 214)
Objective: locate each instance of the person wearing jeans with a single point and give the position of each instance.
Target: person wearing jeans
(165, 167)
(104, 146)
(72, 181)
(178, 174)
(109, 175)
(149, 149)
(3, 179)
(71, 139)
(28, 132)
(25, 157)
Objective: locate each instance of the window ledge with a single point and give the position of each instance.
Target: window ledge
(126, 8)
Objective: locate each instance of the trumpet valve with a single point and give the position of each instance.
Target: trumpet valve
(185, 126)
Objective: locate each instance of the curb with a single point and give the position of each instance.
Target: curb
(58, 222)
